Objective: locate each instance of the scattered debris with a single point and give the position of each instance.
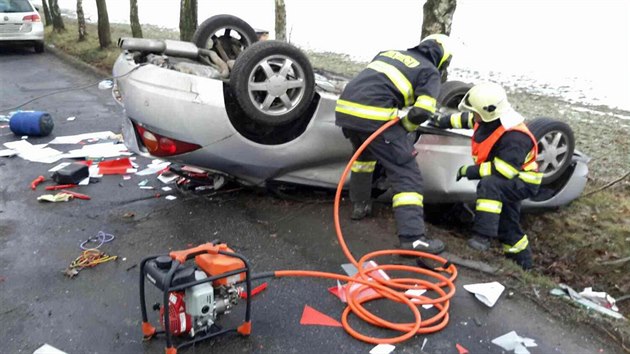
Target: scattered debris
(37, 181)
(601, 298)
(513, 342)
(312, 317)
(77, 195)
(75, 139)
(382, 349)
(132, 267)
(88, 258)
(568, 293)
(101, 238)
(167, 177)
(59, 197)
(461, 349)
(170, 197)
(116, 167)
(424, 342)
(71, 174)
(105, 85)
(129, 214)
(487, 293)
(143, 182)
(48, 349)
(70, 119)
(167, 189)
(154, 167)
(471, 264)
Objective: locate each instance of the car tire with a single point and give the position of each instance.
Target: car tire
(556, 144)
(38, 47)
(208, 29)
(451, 93)
(273, 82)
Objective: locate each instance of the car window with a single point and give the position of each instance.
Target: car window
(15, 6)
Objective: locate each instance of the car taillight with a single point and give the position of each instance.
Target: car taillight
(158, 145)
(32, 18)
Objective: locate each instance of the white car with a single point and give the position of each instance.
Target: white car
(20, 23)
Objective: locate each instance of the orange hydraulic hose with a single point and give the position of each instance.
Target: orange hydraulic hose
(393, 289)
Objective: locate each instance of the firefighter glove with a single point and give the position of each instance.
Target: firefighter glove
(461, 173)
(434, 121)
(408, 125)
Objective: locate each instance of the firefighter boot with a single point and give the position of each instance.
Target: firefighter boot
(479, 242)
(523, 258)
(361, 209)
(421, 243)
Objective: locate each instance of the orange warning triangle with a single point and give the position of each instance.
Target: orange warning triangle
(310, 316)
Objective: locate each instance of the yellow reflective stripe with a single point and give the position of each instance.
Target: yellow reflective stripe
(531, 177)
(407, 198)
(409, 126)
(532, 166)
(365, 111)
(485, 169)
(520, 246)
(508, 171)
(456, 120)
(363, 166)
(396, 77)
(426, 102)
(489, 206)
(471, 120)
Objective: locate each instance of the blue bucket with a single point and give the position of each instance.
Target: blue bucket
(32, 123)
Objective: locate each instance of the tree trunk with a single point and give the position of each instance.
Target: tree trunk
(281, 21)
(187, 19)
(47, 16)
(81, 21)
(55, 13)
(136, 29)
(438, 16)
(104, 34)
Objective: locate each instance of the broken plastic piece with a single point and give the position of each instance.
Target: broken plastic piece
(382, 349)
(488, 293)
(310, 316)
(461, 349)
(48, 349)
(568, 293)
(512, 341)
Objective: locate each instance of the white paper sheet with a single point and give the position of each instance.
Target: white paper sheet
(512, 341)
(488, 293)
(75, 139)
(382, 349)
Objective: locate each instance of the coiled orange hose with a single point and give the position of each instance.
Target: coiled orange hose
(393, 289)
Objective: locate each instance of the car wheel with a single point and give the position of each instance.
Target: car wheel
(556, 144)
(273, 82)
(226, 34)
(451, 93)
(39, 47)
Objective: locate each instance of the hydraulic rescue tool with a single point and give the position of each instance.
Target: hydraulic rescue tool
(196, 293)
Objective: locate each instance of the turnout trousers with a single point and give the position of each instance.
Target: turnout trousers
(498, 213)
(395, 152)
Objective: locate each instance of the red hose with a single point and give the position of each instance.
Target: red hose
(393, 289)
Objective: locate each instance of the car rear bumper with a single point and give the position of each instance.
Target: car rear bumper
(31, 33)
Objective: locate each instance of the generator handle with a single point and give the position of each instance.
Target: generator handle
(210, 248)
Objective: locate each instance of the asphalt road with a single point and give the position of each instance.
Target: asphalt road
(98, 311)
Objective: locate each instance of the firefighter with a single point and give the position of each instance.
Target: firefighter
(395, 79)
(504, 152)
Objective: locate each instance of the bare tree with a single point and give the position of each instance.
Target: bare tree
(104, 34)
(281, 21)
(81, 21)
(136, 29)
(187, 19)
(438, 16)
(47, 16)
(55, 13)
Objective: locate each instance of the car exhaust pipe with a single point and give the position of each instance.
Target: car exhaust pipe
(168, 47)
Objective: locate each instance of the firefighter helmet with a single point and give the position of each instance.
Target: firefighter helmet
(445, 43)
(487, 99)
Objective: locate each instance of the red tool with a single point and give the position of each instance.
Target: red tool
(37, 181)
(77, 195)
(60, 186)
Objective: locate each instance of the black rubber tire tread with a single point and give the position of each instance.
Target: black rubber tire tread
(208, 27)
(247, 61)
(452, 92)
(540, 127)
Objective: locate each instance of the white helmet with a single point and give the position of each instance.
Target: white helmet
(487, 99)
(445, 42)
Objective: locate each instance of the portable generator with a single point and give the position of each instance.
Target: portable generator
(195, 293)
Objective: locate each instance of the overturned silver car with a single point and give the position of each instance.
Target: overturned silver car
(256, 113)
